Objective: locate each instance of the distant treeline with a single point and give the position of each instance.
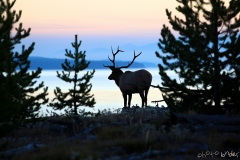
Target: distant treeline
(54, 63)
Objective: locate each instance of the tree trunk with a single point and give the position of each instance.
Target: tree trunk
(216, 79)
(74, 94)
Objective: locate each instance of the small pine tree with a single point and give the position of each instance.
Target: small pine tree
(205, 56)
(20, 97)
(79, 95)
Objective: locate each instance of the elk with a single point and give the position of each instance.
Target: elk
(130, 82)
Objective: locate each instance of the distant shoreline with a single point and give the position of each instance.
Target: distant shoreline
(55, 63)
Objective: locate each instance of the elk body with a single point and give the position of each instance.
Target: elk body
(130, 82)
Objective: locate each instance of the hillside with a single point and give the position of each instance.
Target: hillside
(140, 133)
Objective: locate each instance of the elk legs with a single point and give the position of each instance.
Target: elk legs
(142, 97)
(129, 100)
(125, 99)
(146, 93)
(125, 96)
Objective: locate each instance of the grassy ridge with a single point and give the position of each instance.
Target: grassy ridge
(137, 135)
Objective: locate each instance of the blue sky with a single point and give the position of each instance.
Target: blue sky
(98, 23)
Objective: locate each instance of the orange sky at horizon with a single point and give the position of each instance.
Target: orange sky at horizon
(94, 17)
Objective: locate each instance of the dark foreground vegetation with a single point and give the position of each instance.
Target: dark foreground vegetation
(151, 133)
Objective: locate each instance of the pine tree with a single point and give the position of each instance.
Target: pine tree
(205, 56)
(20, 97)
(79, 95)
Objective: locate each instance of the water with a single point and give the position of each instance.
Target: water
(107, 95)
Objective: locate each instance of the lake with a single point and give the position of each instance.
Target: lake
(107, 95)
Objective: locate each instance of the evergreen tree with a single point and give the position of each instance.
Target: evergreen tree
(205, 56)
(20, 97)
(79, 95)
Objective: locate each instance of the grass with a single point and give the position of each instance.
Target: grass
(114, 136)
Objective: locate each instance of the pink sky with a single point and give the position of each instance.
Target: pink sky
(94, 17)
(98, 23)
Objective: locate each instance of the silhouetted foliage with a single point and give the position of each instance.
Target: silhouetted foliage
(20, 95)
(205, 55)
(79, 95)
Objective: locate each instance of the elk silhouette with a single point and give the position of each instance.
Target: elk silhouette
(130, 82)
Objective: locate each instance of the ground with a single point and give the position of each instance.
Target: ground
(136, 134)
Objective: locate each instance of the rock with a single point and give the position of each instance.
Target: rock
(203, 123)
(29, 147)
(91, 137)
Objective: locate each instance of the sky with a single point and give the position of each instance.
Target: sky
(98, 23)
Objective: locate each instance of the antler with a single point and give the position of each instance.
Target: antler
(114, 55)
(135, 56)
